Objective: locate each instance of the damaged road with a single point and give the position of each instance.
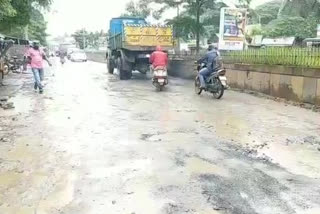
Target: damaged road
(93, 144)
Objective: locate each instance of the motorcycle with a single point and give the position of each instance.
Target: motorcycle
(160, 78)
(62, 60)
(216, 83)
(4, 47)
(13, 64)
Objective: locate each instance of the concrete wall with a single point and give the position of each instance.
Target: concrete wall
(97, 56)
(182, 67)
(291, 83)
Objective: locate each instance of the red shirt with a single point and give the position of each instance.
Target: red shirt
(159, 58)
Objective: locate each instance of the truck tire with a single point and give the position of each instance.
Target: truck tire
(1, 78)
(129, 74)
(110, 65)
(124, 74)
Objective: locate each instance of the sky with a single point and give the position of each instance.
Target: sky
(67, 16)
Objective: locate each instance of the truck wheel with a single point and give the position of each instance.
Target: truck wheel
(124, 74)
(129, 74)
(110, 65)
(120, 70)
(1, 78)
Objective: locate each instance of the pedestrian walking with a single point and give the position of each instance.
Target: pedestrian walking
(36, 56)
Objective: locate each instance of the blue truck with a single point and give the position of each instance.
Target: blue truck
(130, 43)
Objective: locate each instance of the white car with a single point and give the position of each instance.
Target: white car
(78, 56)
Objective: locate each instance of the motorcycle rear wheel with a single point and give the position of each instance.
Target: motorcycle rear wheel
(159, 87)
(197, 88)
(217, 95)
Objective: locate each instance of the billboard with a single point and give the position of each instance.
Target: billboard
(232, 28)
(318, 30)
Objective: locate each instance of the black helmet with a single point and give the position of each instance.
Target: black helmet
(35, 43)
(210, 47)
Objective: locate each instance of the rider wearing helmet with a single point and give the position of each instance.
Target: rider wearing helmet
(158, 58)
(209, 60)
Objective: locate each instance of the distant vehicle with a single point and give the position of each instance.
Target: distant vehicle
(70, 51)
(132, 41)
(62, 59)
(78, 56)
(51, 53)
(63, 48)
(13, 64)
(311, 42)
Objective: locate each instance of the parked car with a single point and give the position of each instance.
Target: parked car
(70, 51)
(78, 56)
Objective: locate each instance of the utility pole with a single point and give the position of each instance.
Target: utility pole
(26, 32)
(83, 39)
(178, 2)
(198, 8)
(283, 4)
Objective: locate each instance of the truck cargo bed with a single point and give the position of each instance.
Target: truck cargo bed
(142, 37)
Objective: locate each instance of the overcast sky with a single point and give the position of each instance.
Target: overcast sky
(70, 15)
(67, 16)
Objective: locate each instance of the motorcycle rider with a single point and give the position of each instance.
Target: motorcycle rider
(158, 58)
(62, 56)
(210, 60)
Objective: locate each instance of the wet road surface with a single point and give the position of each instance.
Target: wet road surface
(92, 144)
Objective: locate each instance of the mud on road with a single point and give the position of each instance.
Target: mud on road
(93, 144)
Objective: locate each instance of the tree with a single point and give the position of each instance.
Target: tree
(296, 18)
(200, 17)
(87, 39)
(6, 9)
(81, 36)
(140, 9)
(244, 3)
(185, 26)
(10, 8)
(302, 8)
(194, 9)
(22, 13)
(38, 27)
(298, 27)
(268, 11)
